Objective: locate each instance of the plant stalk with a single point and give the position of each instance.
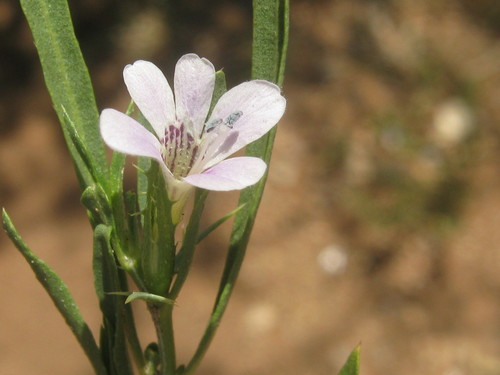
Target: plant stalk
(162, 319)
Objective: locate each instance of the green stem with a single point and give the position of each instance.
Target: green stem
(162, 319)
(133, 340)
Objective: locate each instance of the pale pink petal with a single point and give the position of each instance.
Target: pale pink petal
(123, 134)
(258, 106)
(150, 90)
(230, 174)
(194, 81)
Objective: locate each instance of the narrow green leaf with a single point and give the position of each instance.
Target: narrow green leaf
(107, 279)
(60, 295)
(148, 297)
(134, 342)
(270, 39)
(268, 61)
(351, 367)
(270, 33)
(143, 165)
(79, 144)
(67, 80)
(118, 318)
(144, 296)
(266, 39)
(285, 19)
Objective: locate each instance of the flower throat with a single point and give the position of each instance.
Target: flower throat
(180, 150)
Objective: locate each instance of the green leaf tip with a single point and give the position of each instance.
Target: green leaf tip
(351, 367)
(5, 217)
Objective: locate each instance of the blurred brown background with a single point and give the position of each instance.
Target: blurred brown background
(380, 219)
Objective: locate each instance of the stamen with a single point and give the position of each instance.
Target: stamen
(193, 156)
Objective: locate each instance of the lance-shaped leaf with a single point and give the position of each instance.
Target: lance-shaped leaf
(107, 279)
(270, 41)
(67, 80)
(60, 295)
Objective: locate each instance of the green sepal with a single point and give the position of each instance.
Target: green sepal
(351, 367)
(185, 255)
(126, 233)
(97, 203)
(60, 295)
(143, 165)
(116, 169)
(158, 240)
(118, 164)
(131, 232)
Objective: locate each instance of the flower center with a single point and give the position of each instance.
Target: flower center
(180, 150)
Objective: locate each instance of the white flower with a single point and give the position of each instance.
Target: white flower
(190, 149)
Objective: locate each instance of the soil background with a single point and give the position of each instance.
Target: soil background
(380, 220)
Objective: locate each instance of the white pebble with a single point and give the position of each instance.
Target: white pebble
(332, 259)
(453, 121)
